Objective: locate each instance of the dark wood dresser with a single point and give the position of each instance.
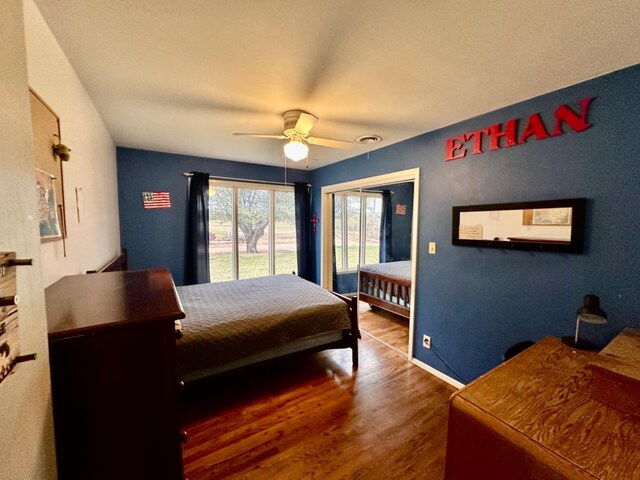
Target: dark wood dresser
(113, 375)
(538, 416)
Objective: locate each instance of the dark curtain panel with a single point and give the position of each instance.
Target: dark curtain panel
(197, 261)
(303, 232)
(386, 254)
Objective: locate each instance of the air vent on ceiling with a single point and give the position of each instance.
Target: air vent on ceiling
(366, 139)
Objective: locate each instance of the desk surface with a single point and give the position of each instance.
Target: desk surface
(539, 401)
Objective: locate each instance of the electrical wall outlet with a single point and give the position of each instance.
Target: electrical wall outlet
(426, 341)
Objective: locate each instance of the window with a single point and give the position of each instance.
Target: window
(252, 230)
(357, 229)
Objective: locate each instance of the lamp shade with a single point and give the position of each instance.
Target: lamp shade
(590, 311)
(295, 150)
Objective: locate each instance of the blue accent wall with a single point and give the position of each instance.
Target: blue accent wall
(155, 238)
(401, 194)
(475, 302)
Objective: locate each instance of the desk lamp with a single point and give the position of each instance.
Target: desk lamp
(589, 312)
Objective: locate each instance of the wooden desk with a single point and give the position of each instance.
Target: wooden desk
(532, 418)
(113, 375)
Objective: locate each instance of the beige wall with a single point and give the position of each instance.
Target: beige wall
(96, 239)
(26, 439)
(30, 56)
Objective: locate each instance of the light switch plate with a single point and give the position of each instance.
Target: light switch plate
(432, 248)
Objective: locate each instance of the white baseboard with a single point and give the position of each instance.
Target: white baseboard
(437, 373)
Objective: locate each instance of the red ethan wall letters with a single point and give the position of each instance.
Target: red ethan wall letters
(457, 147)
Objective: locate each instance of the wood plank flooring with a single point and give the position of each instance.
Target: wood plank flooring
(391, 329)
(313, 417)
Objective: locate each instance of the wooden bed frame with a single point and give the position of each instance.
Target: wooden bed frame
(117, 264)
(349, 339)
(385, 292)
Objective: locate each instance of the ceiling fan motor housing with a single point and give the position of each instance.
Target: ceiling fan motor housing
(290, 118)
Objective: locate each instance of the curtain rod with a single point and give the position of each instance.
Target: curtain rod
(351, 190)
(245, 180)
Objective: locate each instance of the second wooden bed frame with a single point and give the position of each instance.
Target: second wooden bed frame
(389, 293)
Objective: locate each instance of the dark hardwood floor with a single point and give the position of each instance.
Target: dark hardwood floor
(386, 327)
(313, 417)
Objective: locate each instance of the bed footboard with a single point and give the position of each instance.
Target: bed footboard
(354, 334)
(388, 293)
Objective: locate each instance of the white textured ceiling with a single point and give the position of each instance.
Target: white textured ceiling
(182, 75)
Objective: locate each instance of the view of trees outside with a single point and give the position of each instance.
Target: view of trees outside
(353, 232)
(253, 232)
(220, 233)
(347, 215)
(286, 260)
(253, 235)
(372, 217)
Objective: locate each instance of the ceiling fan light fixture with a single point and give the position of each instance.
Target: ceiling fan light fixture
(295, 150)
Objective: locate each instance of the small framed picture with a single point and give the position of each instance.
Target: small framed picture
(547, 216)
(48, 217)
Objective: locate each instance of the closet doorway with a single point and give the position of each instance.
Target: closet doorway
(369, 247)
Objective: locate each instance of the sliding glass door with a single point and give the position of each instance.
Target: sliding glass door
(252, 230)
(253, 207)
(357, 229)
(284, 238)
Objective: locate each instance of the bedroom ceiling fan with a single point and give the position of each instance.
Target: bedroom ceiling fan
(297, 126)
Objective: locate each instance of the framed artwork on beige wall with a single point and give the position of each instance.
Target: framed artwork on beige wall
(49, 178)
(48, 211)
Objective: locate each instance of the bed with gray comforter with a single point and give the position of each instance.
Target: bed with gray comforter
(229, 325)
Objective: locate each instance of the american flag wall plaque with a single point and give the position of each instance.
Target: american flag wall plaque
(156, 200)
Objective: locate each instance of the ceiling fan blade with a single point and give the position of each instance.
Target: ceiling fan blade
(328, 142)
(262, 135)
(305, 123)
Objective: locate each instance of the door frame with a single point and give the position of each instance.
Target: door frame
(326, 255)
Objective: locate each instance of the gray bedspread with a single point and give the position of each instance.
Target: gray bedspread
(228, 321)
(400, 270)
